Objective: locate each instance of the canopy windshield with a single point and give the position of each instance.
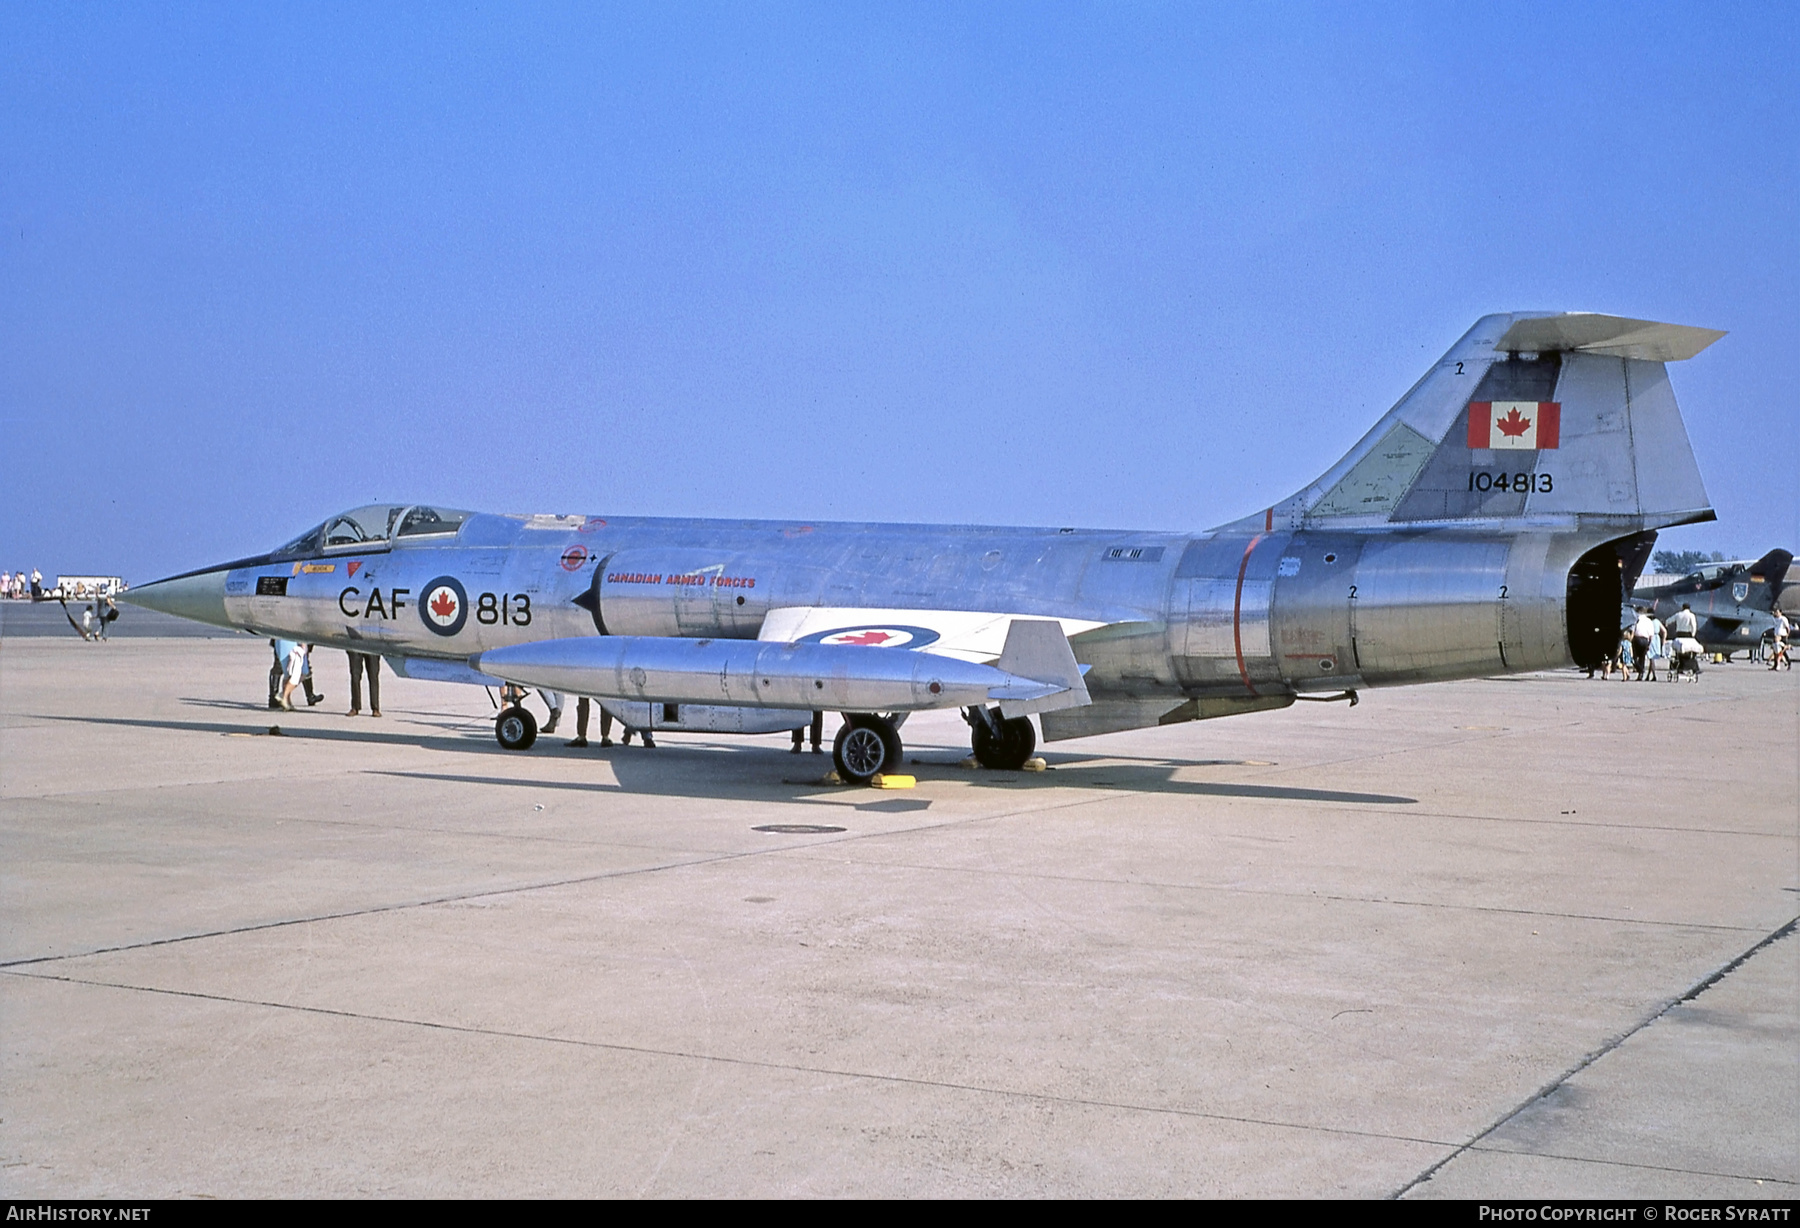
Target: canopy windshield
(374, 528)
(422, 521)
(363, 527)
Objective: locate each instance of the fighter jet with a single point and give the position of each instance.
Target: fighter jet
(1491, 522)
(1734, 602)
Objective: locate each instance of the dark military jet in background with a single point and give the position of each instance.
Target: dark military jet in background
(1491, 522)
(1734, 602)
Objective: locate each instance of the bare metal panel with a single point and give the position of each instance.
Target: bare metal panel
(683, 592)
(1375, 483)
(1668, 479)
(1593, 469)
(1311, 615)
(1129, 657)
(1428, 606)
(1226, 584)
(703, 718)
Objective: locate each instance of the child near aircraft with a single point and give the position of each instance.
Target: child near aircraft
(299, 674)
(1627, 655)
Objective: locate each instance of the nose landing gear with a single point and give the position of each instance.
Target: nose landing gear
(516, 728)
(866, 746)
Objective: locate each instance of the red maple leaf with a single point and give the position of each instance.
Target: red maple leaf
(866, 637)
(1513, 425)
(444, 604)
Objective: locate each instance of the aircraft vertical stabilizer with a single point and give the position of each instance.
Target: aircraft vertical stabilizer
(1546, 419)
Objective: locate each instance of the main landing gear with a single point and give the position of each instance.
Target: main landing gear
(516, 728)
(866, 746)
(1000, 744)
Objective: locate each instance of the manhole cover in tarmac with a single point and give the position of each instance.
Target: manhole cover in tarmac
(797, 829)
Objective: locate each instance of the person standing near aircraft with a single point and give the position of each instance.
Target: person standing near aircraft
(278, 670)
(1685, 623)
(554, 701)
(1643, 630)
(1621, 657)
(359, 662)
(818, 731)
(1778, 656)
(581, 723)
(1687, 649)
(299, 674)
(1659, 645)
(606, 723)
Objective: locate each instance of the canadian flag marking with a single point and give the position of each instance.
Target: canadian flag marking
(1515, 425)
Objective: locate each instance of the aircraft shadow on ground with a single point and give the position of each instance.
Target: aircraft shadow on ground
(726, 778)
(476, 725)
(652, 780)
(1160, 778)
(398, 737)
(638, 770)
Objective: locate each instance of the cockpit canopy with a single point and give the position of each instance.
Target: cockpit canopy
(1710, 576)
(375, 527)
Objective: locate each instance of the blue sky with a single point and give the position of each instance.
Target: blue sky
(1146, 266)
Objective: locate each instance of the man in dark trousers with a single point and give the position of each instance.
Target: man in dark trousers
(606, 722)
(360, 661)
(818, 730)
(581, 720)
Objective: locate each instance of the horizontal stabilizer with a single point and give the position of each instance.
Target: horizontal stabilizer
(1588, 332)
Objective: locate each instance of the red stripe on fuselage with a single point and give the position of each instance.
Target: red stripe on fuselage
(1237, 610)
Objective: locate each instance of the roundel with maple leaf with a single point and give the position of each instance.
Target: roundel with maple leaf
(444, 606)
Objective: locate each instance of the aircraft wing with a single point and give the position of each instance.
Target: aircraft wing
(967, 635)
(1027, 645)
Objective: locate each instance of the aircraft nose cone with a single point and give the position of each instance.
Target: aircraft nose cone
(200, 597)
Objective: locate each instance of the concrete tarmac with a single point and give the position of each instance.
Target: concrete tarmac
(1510, 938)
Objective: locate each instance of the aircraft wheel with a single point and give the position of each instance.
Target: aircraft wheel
(516, 728)
(865, 747)
(1010, 750)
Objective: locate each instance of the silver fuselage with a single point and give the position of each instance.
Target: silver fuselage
(1250, 614)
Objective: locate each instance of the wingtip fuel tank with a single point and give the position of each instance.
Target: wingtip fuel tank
(757, 674)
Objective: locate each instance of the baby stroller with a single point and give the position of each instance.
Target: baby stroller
(1685, 658)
